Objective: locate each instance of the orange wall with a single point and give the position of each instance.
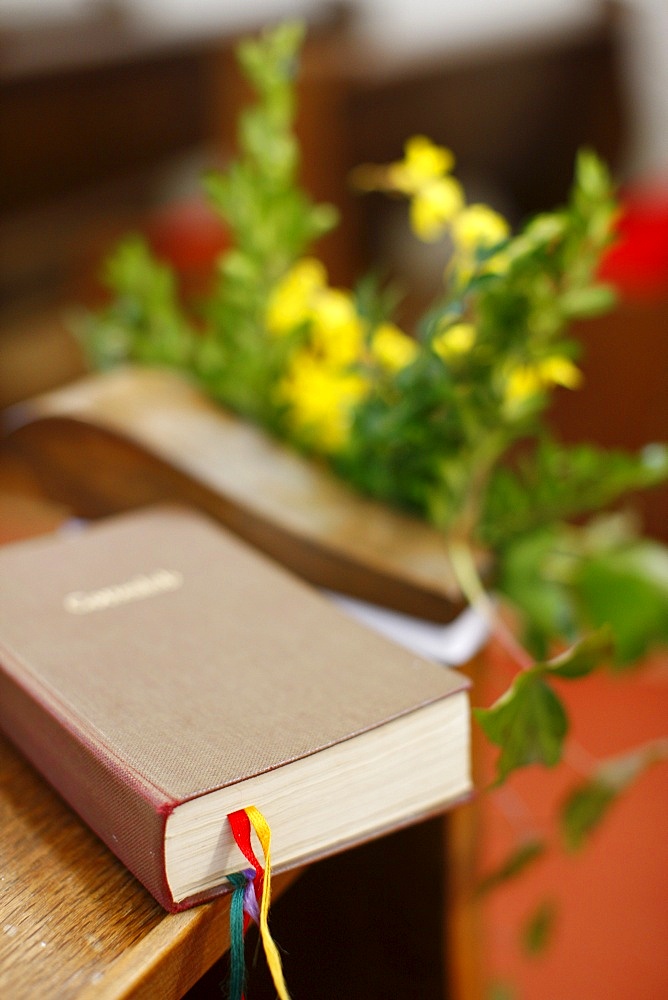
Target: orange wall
(611, 936)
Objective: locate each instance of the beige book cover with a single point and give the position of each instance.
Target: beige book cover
(120, 439)
(161, 673)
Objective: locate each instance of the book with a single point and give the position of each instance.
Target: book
(136, 435)
(161, 674)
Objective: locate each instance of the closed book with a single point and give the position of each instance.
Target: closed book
(134, 436)
(162, 674)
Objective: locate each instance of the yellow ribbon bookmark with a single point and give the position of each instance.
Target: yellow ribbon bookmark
(263, 832)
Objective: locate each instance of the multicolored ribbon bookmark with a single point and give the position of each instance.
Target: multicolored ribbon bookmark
(237, 928)
(240, 823)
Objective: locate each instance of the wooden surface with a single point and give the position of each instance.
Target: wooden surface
(73, 922)
(75, 925)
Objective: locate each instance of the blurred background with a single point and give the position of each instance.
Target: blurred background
(110, 111)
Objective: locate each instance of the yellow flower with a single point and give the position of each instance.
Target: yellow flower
(434, 207)
(478, 227)
(392, 348)
(498, 263)
(454, 341)
(522, 383)
(337, 332)
(291, 301)
(559, 370)
(303, 296)
(526, 381)
(423, 163)
(321, 401)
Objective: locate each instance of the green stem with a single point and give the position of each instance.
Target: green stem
(481, 462)
(467, 576)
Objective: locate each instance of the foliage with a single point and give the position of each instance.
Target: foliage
(447, 421)
(538, 928)
(529, 722)
(144, 321)
(501, 991)
(555, 483)
(565, 578)
(271, 222)
(586, 805)
(519, 860)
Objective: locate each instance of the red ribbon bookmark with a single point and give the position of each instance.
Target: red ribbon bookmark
(241, 823)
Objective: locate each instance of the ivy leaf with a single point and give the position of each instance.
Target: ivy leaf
(538, 929)
(566, 580)
(517, 862)
(584, 656)
(528, 722)
(501, 991)
(545, 603)
(586, 806)
(583, 810)
(628, 588)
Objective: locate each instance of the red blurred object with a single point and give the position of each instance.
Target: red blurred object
(637, 264)
(190, 236)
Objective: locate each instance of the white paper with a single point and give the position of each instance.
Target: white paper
(453, 644)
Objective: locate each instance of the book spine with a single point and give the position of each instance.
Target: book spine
(127, 816)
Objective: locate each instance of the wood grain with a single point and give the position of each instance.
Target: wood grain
(74, 923)
(68, 908)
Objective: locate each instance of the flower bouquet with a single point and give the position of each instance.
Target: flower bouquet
(445, 422)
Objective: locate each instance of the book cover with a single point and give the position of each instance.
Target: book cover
(132, 436)
(161, 674)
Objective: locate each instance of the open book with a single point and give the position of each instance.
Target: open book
(162, 674)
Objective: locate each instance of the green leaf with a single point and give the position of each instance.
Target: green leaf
(591, 301)
(567, 580)
(544, 601)
(627, 588)
(520, 859)
(585, 806)
(528, 722)
(584, 656)
(556, 482)
(592, 178)
(501, 991)
(538, 929)
(144, 321)
(583, 810)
